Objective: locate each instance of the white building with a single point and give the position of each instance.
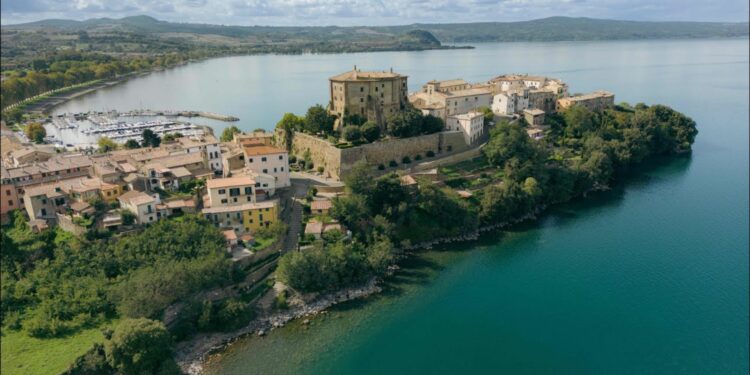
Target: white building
(510, 103)
(449, 103)
(263, 159)
(470, 124)
(204, 143)
(142, 205)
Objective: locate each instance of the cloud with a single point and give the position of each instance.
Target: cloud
(371, 12)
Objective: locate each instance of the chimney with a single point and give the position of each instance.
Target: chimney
(355, 68)
(391, 69)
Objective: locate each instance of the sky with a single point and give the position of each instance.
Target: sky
(372, 12)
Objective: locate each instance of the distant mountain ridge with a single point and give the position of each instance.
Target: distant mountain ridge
(545, 29)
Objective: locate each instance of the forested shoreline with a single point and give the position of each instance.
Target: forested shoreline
(583, 151)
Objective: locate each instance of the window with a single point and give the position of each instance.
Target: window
(250, 221)
(263, 159)
(248, 198)
(248, 190)
(281, 157)
(10, 202)
(149, 209)
(222, 191)
(223, 201)
(265, 170)
(239, 215)
(361, 89)
(234, 199)
(376, 89)
(250, 160)
(7, 192)
(233, 192)
(150, 218)
(274, 170)
(282, 169)
(361, 100)
(44, 201)
(44, 212)
(260, 217)
(257, 184)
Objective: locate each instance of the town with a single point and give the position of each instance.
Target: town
(236, 184)
(244, 232)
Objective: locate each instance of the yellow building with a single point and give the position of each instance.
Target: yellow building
(260, 214)
(372, 95)
(231, 204)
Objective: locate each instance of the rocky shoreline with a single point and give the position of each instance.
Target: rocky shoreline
(190, 355)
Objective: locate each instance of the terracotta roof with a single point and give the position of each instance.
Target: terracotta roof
(314, 227)
(137, 198)
(464, 193)
(449, 82)
(242, 207)
(321, 204)
(253, 150)
(230, 235)
(468, 92)
(358, 75)
(79, 206)
(181, 172)
(228, 182)
(534, 111)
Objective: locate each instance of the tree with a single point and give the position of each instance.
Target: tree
(508, 140)
(131, 144)
(432, 124)
(35, 132)
(578, 120)
(351, 133)
(289, 124)
(489, 116)
(228, 133)
(370, 131)
(170, 137)
(106, 144)
(128, 218)
(405, 123)
(150, 139)
(318, 120)
(138, 346)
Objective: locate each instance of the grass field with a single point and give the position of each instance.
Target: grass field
(22, 354)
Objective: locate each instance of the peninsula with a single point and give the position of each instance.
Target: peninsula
(183, 242)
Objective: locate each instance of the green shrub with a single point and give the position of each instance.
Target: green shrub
(392, 163)
(430, 154)
(406, 160)
(417, 157)
(381, 167)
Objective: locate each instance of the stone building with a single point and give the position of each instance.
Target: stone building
(595, 101)
(372, 95)
(533, 116)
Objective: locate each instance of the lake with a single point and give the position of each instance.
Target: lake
(650, 277)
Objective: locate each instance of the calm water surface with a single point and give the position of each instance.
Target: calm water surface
(649, 278)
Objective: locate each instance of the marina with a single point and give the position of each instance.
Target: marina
(83, 130)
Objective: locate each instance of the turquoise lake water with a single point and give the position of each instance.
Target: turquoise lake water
(649, 278)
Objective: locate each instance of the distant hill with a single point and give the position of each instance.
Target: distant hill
(546, 29)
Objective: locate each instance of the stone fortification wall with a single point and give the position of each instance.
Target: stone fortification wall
(337, 162)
